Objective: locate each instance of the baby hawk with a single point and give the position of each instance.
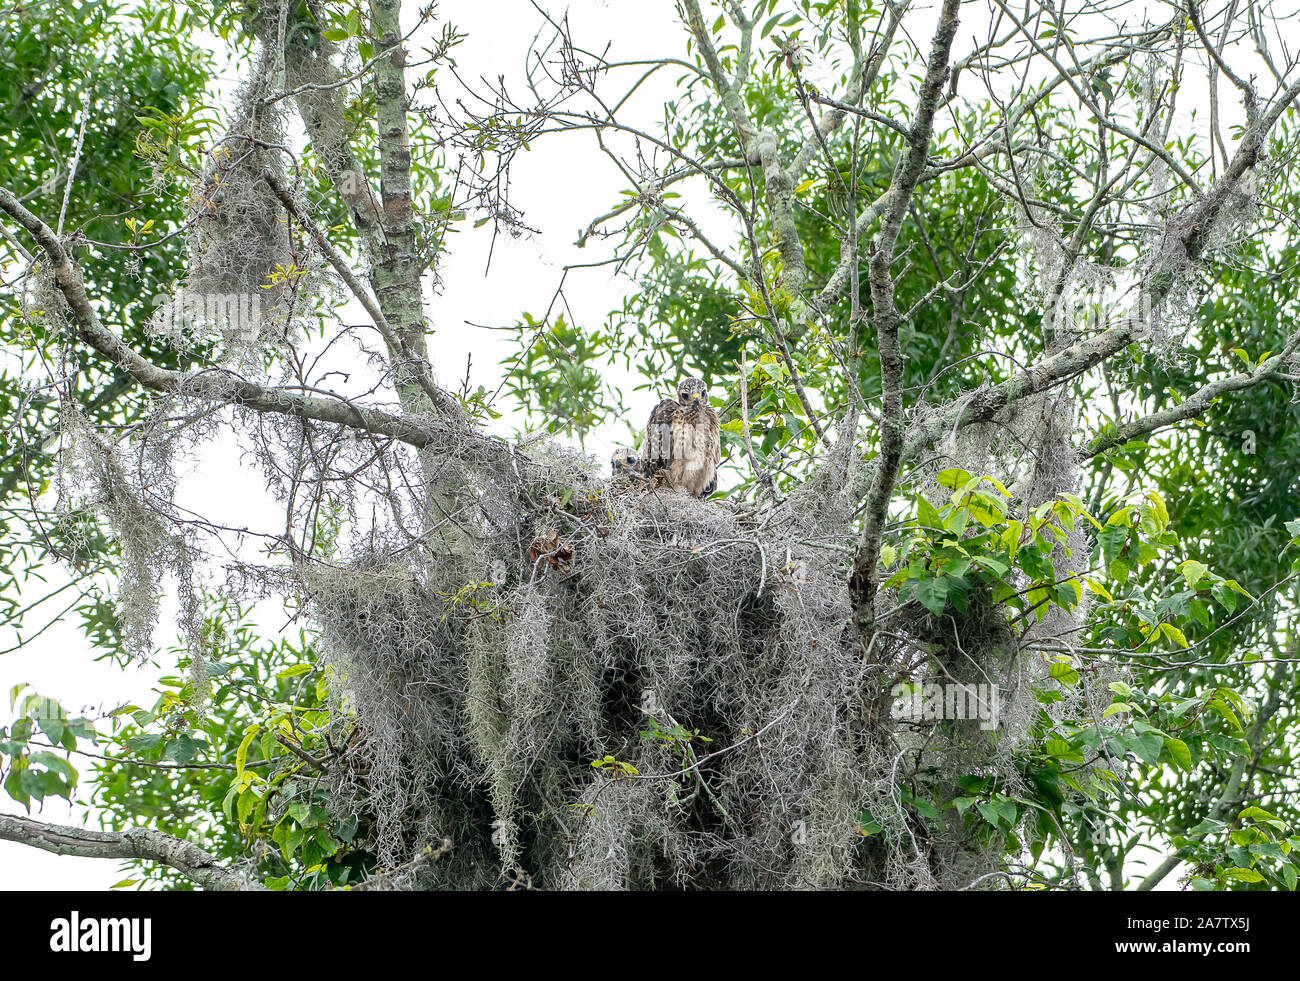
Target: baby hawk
(682, 439)
(624, 463)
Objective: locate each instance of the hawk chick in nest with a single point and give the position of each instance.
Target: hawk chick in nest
(623, 463)
(681, 440)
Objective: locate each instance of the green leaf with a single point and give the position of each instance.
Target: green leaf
(1179, 753)
(1174, 634)
(1146, 746)
(55, 763)
(1242, 875)
(1261, 816)
(989, 812)
(1193, 572)
(1224, 596)
(926, 514)
(994, 566)
(296, 670)
(241, 754)
(1064, 673)
(14, 787)
(53, 728)
(248, 800)
(184, 748)
(953, 478)
(933, 594)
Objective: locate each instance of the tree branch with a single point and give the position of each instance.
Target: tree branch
(907, 172)
(1185, 238)
(1195, 404)
(188, 859)
(215, 384)
(399, 351)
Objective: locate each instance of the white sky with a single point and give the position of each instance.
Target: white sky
(560, 185)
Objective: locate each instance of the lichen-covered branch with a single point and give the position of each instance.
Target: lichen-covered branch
(397, 273)
(218, 384)
(186, 858)
(727, 91)
(1196, 404)
(885, 314)
(1186, 236)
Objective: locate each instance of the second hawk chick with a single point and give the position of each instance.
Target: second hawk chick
(624, 465)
